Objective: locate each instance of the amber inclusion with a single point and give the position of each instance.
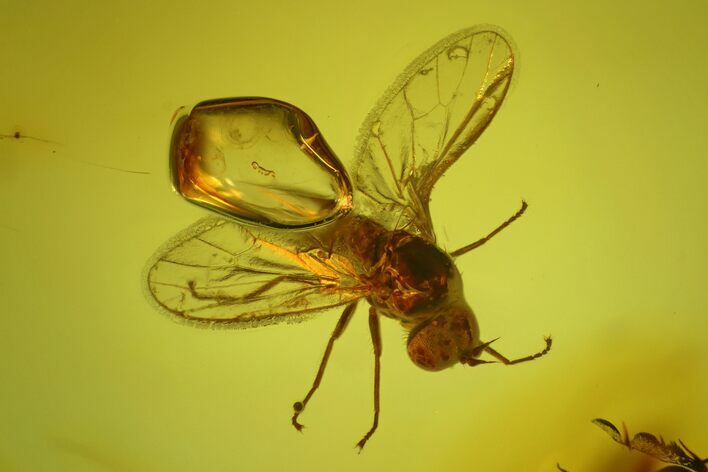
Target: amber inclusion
(258, 160)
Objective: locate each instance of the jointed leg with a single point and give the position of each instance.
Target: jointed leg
(478, 243)
(299, 407)
(376, 341)
(506, 361)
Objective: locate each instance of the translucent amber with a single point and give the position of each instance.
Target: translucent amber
(258, 160)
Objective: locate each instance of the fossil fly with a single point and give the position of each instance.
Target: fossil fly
(304, 237)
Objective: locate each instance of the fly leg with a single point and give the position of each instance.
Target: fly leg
(376, 341)
(506, 361)
(476, 244)
(299, 407)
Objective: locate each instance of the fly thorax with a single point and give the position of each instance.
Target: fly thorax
(413, 276)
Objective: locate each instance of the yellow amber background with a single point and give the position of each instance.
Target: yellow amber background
(603, 133)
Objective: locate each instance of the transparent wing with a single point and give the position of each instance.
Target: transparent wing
(220, 272)
(431, 114)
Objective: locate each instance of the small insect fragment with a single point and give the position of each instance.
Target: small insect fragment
(18, 136)
(674, 453)
(178, 112)
(262, 170)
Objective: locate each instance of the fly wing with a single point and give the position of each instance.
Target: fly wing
(221, 273)
(432, 113)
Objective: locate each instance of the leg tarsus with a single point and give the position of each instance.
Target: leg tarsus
(504, 360)
(298, 407)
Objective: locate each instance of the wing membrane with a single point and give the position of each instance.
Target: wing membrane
(432, 113)
(219, 272)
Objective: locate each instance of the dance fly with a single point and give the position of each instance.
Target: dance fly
(293, 234)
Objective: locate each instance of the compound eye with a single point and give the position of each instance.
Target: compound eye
(431, 345)
(438, 343)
